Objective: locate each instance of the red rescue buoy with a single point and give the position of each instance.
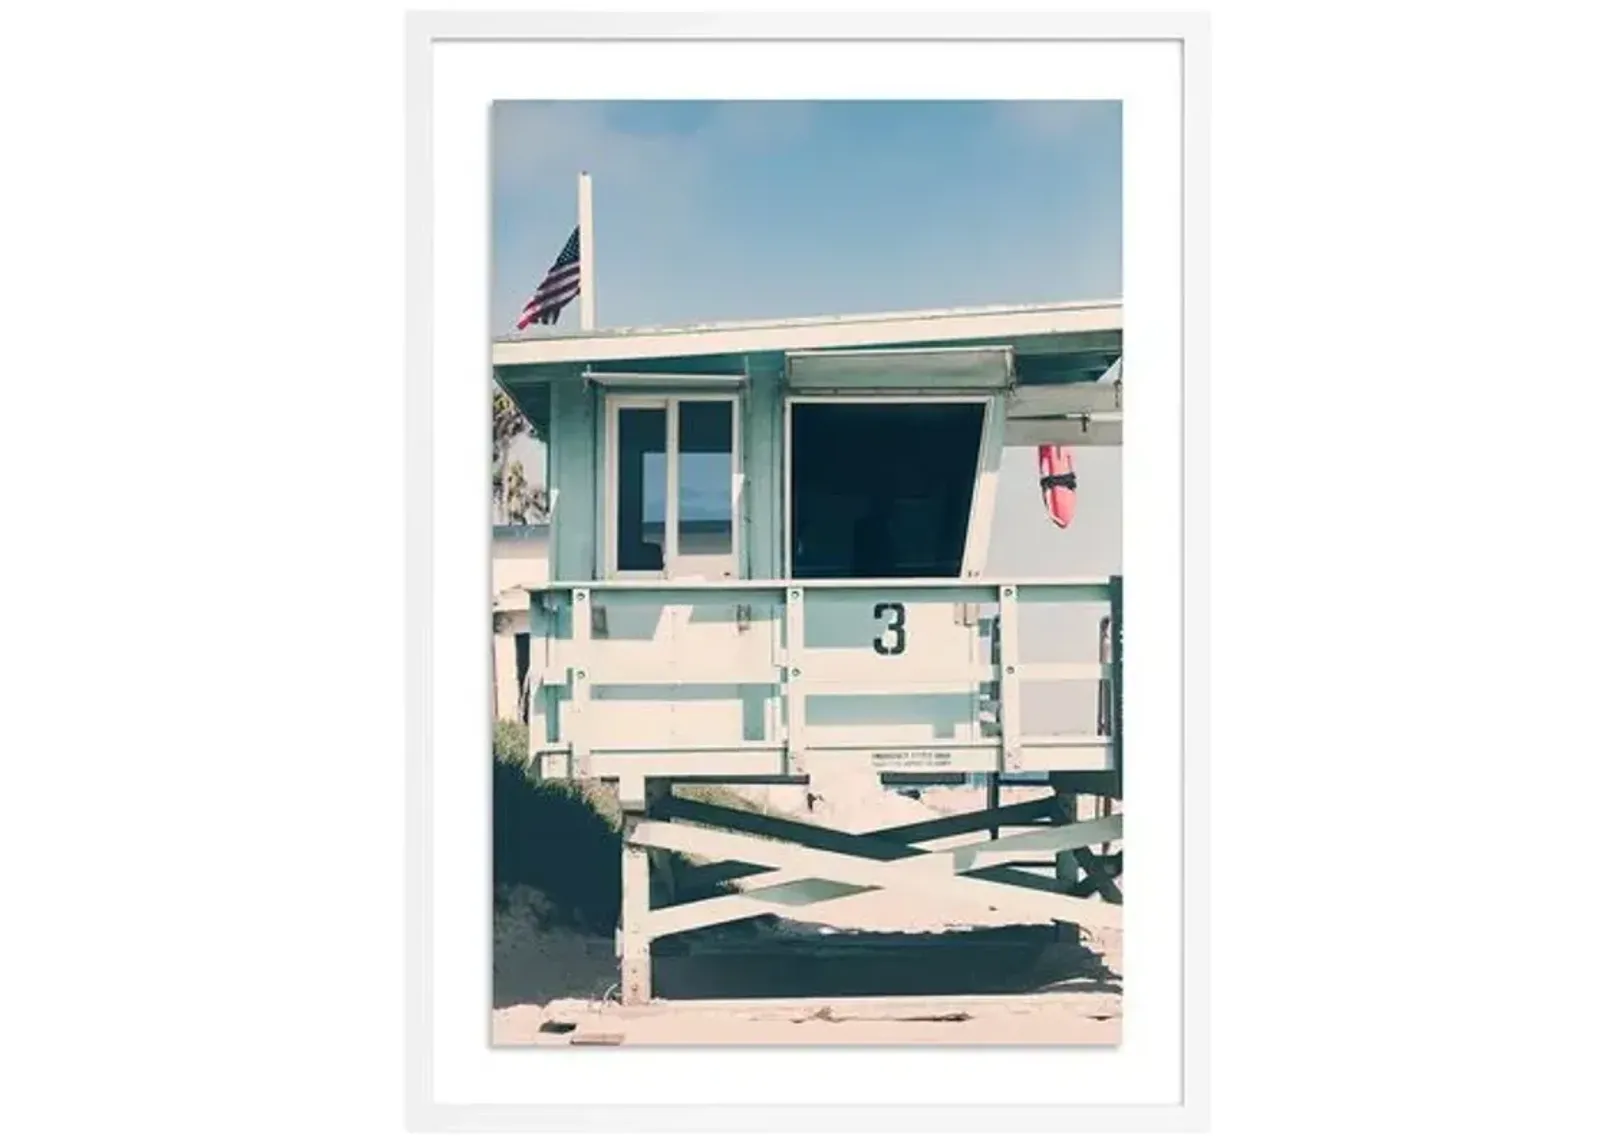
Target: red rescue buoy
(1058, 482)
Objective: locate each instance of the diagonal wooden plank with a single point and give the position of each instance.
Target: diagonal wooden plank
(1094, 868)
(1101, 783)
(789, 900)
(792, 898)
(819, 837)
(783, 829)
(981, 854)
(1022, 813)
(932, 874)
(780, 892)
(959, 859)
(837, 841)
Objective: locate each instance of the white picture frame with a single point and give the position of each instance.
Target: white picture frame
(452, 1086)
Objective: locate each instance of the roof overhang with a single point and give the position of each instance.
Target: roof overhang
(799, 334)
(1058, 365)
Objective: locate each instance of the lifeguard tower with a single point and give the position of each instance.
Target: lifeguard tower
(768, 548)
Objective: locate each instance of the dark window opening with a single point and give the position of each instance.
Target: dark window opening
(523, 647)
(882, 491)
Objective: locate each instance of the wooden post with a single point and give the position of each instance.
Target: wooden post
(663, 890)
(1067, 870)
(993, 803)
(1009, 628)
(1115, 713)
(1103, 803)
(633, 934)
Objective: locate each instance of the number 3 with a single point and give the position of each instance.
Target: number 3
(897, 628)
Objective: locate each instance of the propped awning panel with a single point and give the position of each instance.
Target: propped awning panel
(969, 369)
(1088, 413)
(1082, 432)
(1093, 399)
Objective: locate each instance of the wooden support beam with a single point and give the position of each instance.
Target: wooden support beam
(1066, 864)
(734, 761)
(930, 873)
(663, 887)
(1096, 871)
(903, 837)
(783, 829)
(792, 898)
(634, 936)
(631, 792)
(1100, 783)
(1116, 680)
(1023, 813)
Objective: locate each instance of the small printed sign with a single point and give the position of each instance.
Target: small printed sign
(914, 759)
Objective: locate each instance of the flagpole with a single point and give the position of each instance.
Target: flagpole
(585, 252)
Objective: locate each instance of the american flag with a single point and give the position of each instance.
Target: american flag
(559, 287)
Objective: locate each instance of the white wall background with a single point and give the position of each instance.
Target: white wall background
(203, 910)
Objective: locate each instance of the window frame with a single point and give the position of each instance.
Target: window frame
(615, 404)
(985, 470)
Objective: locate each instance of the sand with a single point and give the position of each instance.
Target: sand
(951, 1021)
(537, 960)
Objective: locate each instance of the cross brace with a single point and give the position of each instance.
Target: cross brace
(803, 876)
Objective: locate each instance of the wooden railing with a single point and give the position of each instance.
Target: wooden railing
(873, 649)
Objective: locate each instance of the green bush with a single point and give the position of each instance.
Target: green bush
(557, 837)
(564, 838)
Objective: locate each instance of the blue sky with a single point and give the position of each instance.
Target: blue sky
(727, 211)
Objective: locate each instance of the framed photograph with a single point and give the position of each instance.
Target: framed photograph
(805, 686)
